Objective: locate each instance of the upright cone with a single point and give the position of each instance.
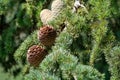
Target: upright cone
(35, 55)
(47, 35)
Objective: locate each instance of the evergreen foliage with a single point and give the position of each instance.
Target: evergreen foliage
(17, 20)
(113, 60)
(86, 47)
(22, 50)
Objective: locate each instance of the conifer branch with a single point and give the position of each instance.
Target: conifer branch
(112, 57)
(99, 32)
(21, 51)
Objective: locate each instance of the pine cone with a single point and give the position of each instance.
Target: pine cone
(35, 55)
(57, 4)
(47, 35)
(46, 16)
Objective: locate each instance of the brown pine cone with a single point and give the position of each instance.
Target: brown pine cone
(47, 35)
(35, 55)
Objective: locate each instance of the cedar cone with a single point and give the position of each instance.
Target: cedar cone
(46, 16)
(35, 55)
(47, 35)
